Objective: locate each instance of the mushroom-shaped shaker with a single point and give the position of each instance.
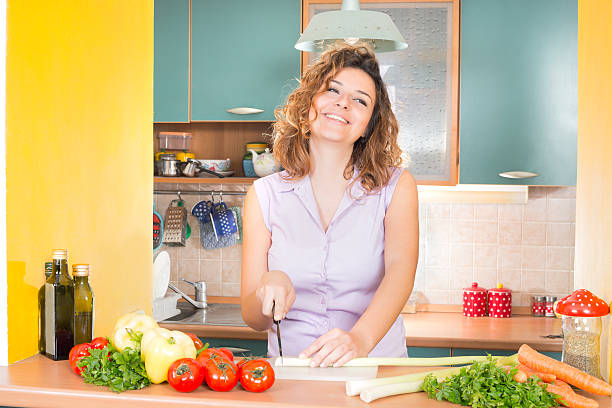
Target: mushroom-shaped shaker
(581, 312)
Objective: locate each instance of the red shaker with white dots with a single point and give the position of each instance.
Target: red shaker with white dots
(500, 302)
(474, 301)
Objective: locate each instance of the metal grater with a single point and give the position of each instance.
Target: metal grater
(175, 224)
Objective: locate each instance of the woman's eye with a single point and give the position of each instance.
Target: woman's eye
(361, 101)
(331, 89)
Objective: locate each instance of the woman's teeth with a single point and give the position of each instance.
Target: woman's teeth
(336, 117)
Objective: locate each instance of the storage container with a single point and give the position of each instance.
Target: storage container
(174, 140)
(474, 301)
(500, 301)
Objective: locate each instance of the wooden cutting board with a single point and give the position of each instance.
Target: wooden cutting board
(325, 374)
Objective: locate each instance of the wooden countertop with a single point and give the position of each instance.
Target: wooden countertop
(435, 329)
(40, 382)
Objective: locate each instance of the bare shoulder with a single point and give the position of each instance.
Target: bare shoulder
(405, 190)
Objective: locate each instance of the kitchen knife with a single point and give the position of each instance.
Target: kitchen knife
(278, 336)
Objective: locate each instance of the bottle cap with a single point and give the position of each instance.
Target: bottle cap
(60, 254)
(80, 270)
(48, 269)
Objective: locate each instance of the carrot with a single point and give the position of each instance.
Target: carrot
(568, 397)
(530, 373)
(520, 375)
(562, 371)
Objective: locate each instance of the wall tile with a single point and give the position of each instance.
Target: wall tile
(559, 234)
(460, 211)
(462, 231)
(438, 296)
(419, 280)
(230, 289)
(485, 232)
(533, 281)
(210, 253)
(486, 277)
(510, 278)
(557, 282)
(190, 270)
(214, 289)
(437, 210)
(534, 233)
(558, 258)
(437, 255)
(230, 271)
(509, 233)
(509, 256)
(485, 212)
(233, 252)
(572, 234)
(210, 270)
(191, 250)
(485, 256)
(536, 191)
(562, 192)
(534, 257)
(438, 230)
(561, 210)
(437, 278)
(461, 277)
(510, 212)
(462, 255)
(535, 209)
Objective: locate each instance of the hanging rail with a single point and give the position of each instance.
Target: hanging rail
(207, 192)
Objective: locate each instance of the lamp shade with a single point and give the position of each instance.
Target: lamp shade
(351, 24)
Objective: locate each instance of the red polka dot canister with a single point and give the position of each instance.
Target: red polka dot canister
(500, 301)
(474, 301)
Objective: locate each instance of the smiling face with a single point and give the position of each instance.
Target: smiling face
(341, 112)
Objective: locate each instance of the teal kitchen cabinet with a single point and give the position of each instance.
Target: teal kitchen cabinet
(171, 61)
(256, 347)
(479, 352)
(518, 91)
(242, 55)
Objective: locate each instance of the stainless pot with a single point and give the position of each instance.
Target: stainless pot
(170, 168)
(191, 168)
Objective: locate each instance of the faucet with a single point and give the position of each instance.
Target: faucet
(200, 294)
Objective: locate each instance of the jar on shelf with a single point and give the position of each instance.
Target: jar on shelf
(474, 301)
(500, 301)
(581, 313)
(549, 306)
(538, 306)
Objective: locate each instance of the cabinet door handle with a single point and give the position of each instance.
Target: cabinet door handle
(518, 174)
(244, 111)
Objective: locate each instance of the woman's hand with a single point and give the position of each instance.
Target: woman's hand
(275, 289)
(336, 347)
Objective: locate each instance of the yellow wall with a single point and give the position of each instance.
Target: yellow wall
(593, 267)
(79, 153)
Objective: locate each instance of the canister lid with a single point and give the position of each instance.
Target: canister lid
(500, 288)
(539, 298)
(80, 270)
(475, 288)
(551, 298)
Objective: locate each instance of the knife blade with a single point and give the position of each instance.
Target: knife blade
(278, 335)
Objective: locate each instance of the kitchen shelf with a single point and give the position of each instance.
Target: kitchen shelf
(205, 180)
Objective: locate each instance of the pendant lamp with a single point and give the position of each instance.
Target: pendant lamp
(351, 25)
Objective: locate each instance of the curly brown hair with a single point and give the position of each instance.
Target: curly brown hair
(373, 154)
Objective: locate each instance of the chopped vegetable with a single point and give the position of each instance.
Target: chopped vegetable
(160, 348)
(484, 384)
(388, 390)
(119, 370)
(562, 371)
(387, 361)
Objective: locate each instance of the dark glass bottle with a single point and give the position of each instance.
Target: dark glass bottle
(59, 309)
(83, 304)
(41, 309)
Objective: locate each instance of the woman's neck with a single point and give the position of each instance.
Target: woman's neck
(328, 161)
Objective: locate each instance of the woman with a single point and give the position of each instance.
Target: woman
(332, 241)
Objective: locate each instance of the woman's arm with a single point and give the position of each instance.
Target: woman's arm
(260, 287)
(401, 255)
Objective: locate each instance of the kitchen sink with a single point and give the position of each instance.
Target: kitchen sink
(215, 314)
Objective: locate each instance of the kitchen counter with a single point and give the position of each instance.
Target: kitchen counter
(40, 382)
(435, 329)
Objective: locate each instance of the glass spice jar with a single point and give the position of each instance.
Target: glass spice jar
(538, 305)
(548, 308)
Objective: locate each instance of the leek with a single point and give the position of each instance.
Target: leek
(382, 391)
(387, 361)
(355, 387)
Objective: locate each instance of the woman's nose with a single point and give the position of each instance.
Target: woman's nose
(342, 101)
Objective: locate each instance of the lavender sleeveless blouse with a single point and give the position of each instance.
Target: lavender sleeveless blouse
(334, 273)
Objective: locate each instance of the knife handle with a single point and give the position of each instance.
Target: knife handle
(275, 321)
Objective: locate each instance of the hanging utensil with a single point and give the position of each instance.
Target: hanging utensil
(176, 223)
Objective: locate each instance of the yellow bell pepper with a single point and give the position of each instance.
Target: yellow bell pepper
(136, 322)
(160, 348)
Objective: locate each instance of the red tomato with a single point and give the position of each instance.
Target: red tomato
(185, 374)
(196, 341)
(221, 374)
(99, 343)
(76, 353)
(256, 375)
(227, 352)
(209, 353)
(245, 360)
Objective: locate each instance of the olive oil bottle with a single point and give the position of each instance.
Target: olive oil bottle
(83, 304)
(41, 309)
(59, 309)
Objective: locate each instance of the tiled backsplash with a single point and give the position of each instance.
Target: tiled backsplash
(527, 247)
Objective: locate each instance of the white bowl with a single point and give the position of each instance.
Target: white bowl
(216, 165)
